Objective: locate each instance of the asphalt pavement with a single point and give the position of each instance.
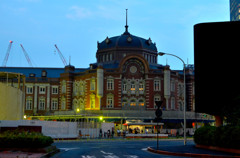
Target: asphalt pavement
(111, 149)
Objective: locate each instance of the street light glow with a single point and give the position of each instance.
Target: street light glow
(101, 118)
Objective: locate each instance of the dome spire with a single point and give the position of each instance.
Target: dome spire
(126, 26)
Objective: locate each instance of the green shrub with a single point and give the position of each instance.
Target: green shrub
(224, 136)
(22, 139)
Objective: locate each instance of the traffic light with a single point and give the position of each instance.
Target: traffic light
(158, 112)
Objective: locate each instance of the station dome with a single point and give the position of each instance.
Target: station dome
(114, 49)
(127, 41)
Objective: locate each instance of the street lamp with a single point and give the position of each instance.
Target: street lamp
(184, 106)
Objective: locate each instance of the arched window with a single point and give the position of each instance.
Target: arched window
(81, 104)
(141, 102)
(133, 102)
(124, 102)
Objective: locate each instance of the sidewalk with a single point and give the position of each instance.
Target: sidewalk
(190, 151)
(19, 154)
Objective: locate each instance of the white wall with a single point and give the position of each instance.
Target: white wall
(49, 128)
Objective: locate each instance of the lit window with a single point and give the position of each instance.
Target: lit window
(133, 103)
(156, 85)
(92, 101)
(124, 103)
(29, 90)
(132, 87)
(109, 101)
(54, 104)
(42, 90)
(41, 104)
(110, 84)
(141, 103)
(140, 87)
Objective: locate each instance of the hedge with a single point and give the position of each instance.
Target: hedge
(22, 139)
(223, 136)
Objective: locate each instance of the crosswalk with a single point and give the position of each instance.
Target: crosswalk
(103, 154)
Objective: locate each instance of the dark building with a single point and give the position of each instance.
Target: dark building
(234, 10)
(216, 55)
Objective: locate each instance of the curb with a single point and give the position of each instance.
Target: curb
(189, 154)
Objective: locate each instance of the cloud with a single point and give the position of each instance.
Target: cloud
(79, 13)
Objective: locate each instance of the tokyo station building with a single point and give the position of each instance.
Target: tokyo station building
(123, 84)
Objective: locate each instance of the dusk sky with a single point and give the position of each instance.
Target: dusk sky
(76, 26)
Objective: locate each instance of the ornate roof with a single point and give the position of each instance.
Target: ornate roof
(126, 40)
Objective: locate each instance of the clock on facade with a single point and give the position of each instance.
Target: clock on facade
(133, 69)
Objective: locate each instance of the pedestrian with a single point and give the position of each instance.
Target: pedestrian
(118, 132)
(100, 133)
(112, 133)
(108, 133)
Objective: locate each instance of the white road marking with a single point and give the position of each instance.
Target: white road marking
(88, 156)
(106, 153)
(131, 156)
(67, 149)
(144, 149)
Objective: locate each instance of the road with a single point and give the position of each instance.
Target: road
(111, 149)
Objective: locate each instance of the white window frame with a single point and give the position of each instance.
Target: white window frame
(54, 89)
(29, 90)
(41, 105)
(54, 104)
(64, 87)
(110, 84)
(157, 85)
(42, 89)
(29, 103)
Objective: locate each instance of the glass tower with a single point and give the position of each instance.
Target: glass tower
(234, 10)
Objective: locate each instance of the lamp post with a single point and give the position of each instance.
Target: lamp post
(184, 106)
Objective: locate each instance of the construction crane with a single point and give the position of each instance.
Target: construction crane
(26, 55)
(4, 63)
(61, 56)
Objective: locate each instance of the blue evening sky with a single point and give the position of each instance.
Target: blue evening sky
(76, 26)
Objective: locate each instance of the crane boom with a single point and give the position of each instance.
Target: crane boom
(4, 63)
(61, 56)
(26, 55)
